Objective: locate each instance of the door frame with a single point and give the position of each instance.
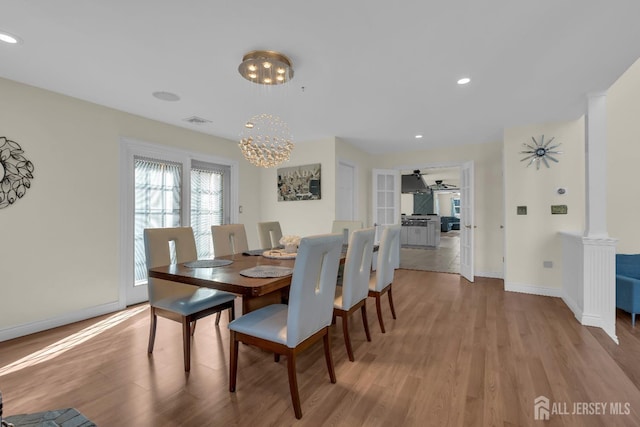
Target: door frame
(129, 148)
(459, 165)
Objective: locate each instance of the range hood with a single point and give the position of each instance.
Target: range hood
(413, 184)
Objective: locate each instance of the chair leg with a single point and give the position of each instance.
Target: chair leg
(276, 357)
(293, 384)
(232, 313)
(233, 362)
(152, 330)
(365, 322)
(345, 331)
(393, 311)
(217, 318)
(633, 319)
(326, 339)
(186, 343)
(379, 310)
(193, 327)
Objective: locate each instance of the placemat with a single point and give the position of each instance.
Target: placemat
(263, 271)
(207, 263)
(277, 254)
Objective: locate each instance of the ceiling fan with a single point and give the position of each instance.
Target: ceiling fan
(440, 185)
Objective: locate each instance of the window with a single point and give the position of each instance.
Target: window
(209, 203)
(157, 204)
(167, 187)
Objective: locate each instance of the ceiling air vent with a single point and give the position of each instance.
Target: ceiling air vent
(197, 120)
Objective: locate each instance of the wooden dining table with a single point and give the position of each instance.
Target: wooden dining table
(255, 292)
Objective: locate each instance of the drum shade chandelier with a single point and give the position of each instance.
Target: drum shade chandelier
(266, 67)
(266, 141)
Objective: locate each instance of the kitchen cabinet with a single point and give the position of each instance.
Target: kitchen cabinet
(417, 236)
(404, 231)
(420, 231)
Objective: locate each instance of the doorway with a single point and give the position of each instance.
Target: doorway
(438, 201)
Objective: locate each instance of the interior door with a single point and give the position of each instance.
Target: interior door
(466, 221)
(386, 203)
(345, 193)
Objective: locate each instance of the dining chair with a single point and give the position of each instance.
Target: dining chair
(352, 295)
(380, 282)
(289, 329)
(269, 234)
(229, 239)
(346, 228)
(177, 301)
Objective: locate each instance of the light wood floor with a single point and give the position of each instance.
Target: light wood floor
(458, 354)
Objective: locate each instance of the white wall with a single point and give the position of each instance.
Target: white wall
(59, 257)
(488, 198)
(533, 238)
(623, 160)
(304, 217)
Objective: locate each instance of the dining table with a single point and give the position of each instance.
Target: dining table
(256, 292)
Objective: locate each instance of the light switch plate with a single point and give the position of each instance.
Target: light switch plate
(559, 209)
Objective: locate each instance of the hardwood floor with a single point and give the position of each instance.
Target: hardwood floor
(458, 354)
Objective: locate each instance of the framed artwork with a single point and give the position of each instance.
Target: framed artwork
(299, 183)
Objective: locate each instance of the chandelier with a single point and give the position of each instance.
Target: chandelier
(266, 67)
(266, 141)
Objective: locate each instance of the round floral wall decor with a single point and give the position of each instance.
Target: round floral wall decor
(16, 172)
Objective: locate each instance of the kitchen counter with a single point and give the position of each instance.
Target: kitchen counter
(420, 230)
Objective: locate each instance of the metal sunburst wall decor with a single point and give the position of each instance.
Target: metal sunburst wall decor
(539, 152)
(16, 172)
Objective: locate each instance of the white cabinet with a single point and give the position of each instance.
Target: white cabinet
(417, 236)
(433, 234)
(404, 235)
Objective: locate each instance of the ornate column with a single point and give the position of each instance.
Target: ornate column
(599, 250)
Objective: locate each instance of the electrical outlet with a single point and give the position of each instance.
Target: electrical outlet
(547, 264)
(240, 209)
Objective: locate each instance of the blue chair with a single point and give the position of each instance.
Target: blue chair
(628, 284)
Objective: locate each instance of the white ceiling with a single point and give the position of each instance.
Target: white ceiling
(375, 73)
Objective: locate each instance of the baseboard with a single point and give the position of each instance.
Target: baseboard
(533, 290)
(573, 306)
(42, 325)
(491, 274)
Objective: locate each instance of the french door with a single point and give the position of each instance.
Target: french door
(163, 187)
(386, 203)
(466, 221)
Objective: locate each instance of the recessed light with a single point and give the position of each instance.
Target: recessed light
(418, 136)
(464, 81)
(166, 96)
(9, 38)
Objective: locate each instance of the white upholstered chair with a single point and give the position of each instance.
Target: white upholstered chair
(269, 234)
(229, 239)
(380, 283)
(352, 295)
(345, 228)
(289, 329)
(178, 301)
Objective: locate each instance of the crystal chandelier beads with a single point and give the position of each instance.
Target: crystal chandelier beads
(266, 141)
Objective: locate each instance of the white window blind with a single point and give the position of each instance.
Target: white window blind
(157, 203)
(209, 203)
